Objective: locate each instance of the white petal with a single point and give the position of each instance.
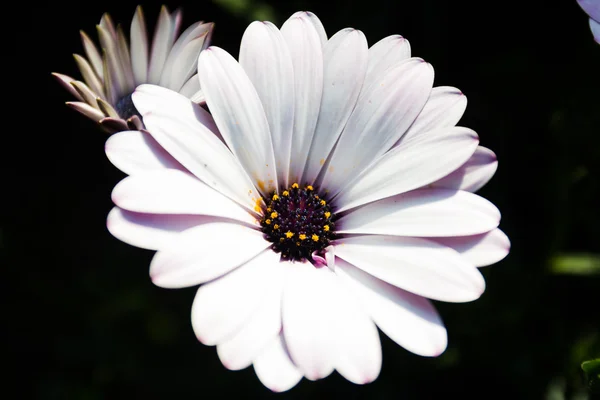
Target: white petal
(205, 252)
(356, 346)
(265, 57)
(444, 108)
(345, 64)
(92, 53)
(193, 144)
(113, 61)
(420, 266)
(191, 88)
(595, 28)
(239, 114)
(473, 174)
(307, 324)
(304, 43)
(89, 76)
(170, 191)
(274, 367)
(222, 307)
(134, 152)
(238, 351)
(423, 212)
(315, 21)
(480, 250)
(139, 47)
(408, 319)
(409, 166)
(65, 81)
(151, 231)
(385, 54)
(384, 111)
(161, 45)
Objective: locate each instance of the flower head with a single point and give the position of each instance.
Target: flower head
(592, 8)
(328, 192)
(112, 73)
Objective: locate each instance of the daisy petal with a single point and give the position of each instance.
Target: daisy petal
(89, 76)
(408, 319)
(275, 368)
(315, 21)
(113, 61)
(113, 124)
(134, 152)
(385, 54)
(171, 191)
(222, 307)
(203, 253)
(265, 57)
(345, 64)
(425, 213)
(139, 47)
(595, 27)
(161, 45)
(417, 265)
(193, 144)
(481, 250)
(356, 346)
(92, 53)
(591, 8)
(239, 114)
(444, 109)
(473, 174)
(305, 47)
(86, 110)
(238, 351)
(384, 111)
(307, 313)
(65, 82)
(151, 231)
(412, 165)
(191, 88)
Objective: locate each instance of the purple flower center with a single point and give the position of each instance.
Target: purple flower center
(298, 222)
(125, 108)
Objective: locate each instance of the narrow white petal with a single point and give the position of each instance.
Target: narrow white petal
(135, 152)
(265, 57)
(139, 47)
(408, 319)
(191, 88)
(205, 252)
(222, 307)
(109, 44)
(356, 346)
(185, 133)
(65, 81)
(315, 21)
(345, 64)
(171, 191)
(473, 174)
(410, 166)
(304, 43)
(425, 213)
(92, 53)
(85, 93)
(384, 111)
(420, 266)
(595, 28)
(444, 109)
(161, 45)
(151, 231)
(125, 59)
(480, 250)
(239, 114)
(238, 351)
(89, 76)
(275, 368)
(385, 54)
(307, 319)
(86, 110)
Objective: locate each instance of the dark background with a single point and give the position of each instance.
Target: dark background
(84, 321)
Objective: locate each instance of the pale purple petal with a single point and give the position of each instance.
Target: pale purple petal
(139, 47)
(385, 54)
(591, 8)
(480, 250)
(161, 45)
(275, 368)
(473, 174)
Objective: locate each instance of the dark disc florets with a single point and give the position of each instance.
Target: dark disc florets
(125, 107)
(298, 222)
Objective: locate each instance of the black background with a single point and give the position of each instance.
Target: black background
(85, 322)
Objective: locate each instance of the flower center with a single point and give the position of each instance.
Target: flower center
(125, 107)
(298, 222)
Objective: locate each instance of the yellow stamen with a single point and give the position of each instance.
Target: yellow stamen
(281, 239)
(295, 186)
(289, 234)
(269, 209)
(285, 193)
(274, 214)
(309, 187)
(325, 228)
(275, 197)
(315, 238)
(277, 227)
(268, 222)
(327, 214)
(323, 202)
(302, 236)
(297, 243)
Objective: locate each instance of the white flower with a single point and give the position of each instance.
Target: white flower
(592, 8)
(113, 73)
(328, 193)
